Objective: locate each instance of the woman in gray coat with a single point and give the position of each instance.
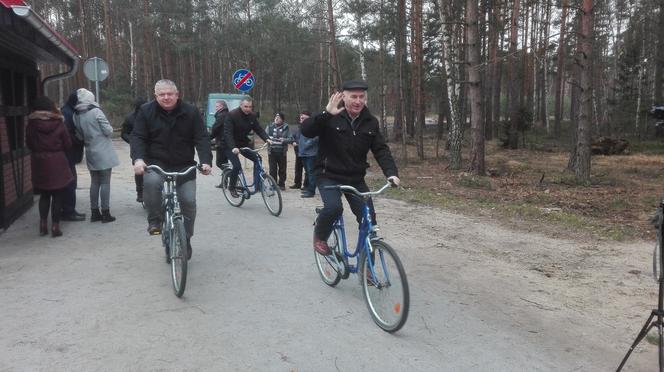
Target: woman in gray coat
(95, 130)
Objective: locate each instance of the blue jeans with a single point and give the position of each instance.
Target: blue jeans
(152, 186)
(235, 160)
(308, 162)
(333, 208)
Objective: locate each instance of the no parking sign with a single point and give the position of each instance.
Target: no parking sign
(243, 80)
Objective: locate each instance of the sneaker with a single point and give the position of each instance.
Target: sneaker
(154, 229)
(294, 186)
(233, 192)
(321, 246)
(139, 198)
(307, 195)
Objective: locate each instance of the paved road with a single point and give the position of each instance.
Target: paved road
(100, 299)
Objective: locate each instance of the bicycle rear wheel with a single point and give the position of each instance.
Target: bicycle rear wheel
(178, 250)
(386, 292)
(327, 265)
(271, 194)
(225, 180)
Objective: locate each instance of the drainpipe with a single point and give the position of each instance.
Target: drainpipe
(26, 13)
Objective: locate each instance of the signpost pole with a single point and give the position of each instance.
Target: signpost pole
(97, 82)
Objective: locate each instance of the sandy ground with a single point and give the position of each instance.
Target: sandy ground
(484, 297)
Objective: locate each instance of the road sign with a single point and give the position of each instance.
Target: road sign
(95, 69)
(243, 80)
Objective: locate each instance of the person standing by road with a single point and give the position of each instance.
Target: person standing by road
(347, 131)
(166, 133)
(279, 132)
(127, 128)
(74, 156)
(217, 133)
(47, 137)
(308, 148)
(95, 130)
(239, 123)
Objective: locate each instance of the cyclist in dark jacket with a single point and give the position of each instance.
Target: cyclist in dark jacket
(347, 132)
(166, 132)
(238, 125)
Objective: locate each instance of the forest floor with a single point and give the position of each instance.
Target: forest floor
(532, 190)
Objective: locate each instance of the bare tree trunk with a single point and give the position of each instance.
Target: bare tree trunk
(475, 94)
(147, 48)
(544, 114)
(400, 45)
(582, 169)
(334, 63)
(513, 134)
(560, 78)
(381, 72)
(108, 35)
(418, 76)
(452, 86)
(659, 66)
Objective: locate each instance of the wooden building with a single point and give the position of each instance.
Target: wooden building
(26, 41)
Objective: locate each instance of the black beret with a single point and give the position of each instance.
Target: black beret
(354, 85)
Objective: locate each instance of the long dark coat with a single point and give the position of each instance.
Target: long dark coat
(47, 137)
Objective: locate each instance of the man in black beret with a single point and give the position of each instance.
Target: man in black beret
(347, 131)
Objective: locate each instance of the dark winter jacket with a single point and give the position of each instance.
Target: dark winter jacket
(237, 127)
(168, 139)
(47, 137)
(344, 143)
(218, 128)
(75, 152)
(280, 136)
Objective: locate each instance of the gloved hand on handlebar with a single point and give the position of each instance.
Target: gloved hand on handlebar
(394, 180)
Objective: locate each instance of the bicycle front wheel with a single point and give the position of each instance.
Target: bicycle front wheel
(235, 201)
(386, 289)
(178, 250)
(327, 265)
(271, 194)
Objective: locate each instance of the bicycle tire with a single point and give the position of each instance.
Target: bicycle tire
(326, 265)
(271, 195)
(178, 249)
(225, 179)
(387, 295)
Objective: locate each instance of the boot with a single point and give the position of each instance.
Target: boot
(95, 215)
(43, 227)
(106, 216)
(55, 230)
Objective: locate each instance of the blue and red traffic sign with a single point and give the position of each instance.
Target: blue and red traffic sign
(243, 80)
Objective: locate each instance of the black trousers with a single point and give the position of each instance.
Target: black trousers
(333, 208)
(278, 167)
(299, 167)
(69, 196)
(51, 200)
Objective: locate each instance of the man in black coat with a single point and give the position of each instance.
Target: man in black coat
(74, 156)
(217, 133)
(239, 123)
(347, 131)
(166, 132)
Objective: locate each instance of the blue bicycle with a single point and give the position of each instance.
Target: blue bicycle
(266, 185)
(173, 234)
(381, 273)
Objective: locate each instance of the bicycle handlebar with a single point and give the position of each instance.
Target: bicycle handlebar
(172, 174)
(256, 150)
(351, 189)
